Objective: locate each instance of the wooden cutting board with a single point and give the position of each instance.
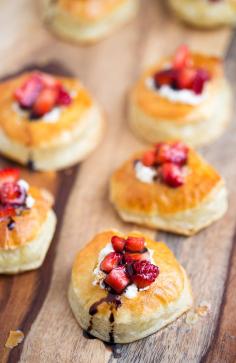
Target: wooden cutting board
(36, 302)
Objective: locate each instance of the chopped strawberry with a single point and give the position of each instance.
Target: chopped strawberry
(45, 101)
(144, 273)
(118, 279)
(118, 243)
(27, 94)
(111, 261)
(165, 77)
(148, 158)
(134, 244)
(176, 153)
(49, 81)
(182, 57)
(63, 98)
(8, 175)
(186, 77)
(6, 212)
(12, 193)
(131, 257)
(202, 76)
(172, 175)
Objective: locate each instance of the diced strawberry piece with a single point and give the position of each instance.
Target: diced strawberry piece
(144, 273)
(165, 77)
(45, 101)
(118, 243)
(176, 153)
(6, 212)
(12, 193)
(9, 175)
(172, 175)
(202, 76)
(64, 98)
(186, 77)
(132, 257)
(148, 158)
(182, 57)
(49, 81)
(111, 261)
(134, 244)
(27, 94)
(118, 279)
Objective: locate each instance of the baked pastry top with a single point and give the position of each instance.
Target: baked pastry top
(131, 194)
(156, 282)
(23, 210)
(155, 105)
(33, 131)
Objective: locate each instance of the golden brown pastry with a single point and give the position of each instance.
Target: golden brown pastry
(50, 121)
(27, 223)
(205, 13)
(185, 97)
(169, 187)
(87, 21)
(124, 288)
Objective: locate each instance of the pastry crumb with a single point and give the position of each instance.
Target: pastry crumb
(15, 337)
(191, 318)
(203, 309)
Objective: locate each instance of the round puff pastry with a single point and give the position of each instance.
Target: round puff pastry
(168, 297)
(154, 117)
(186, 209)
(49, 143)
(205, 13)
(88, 21)
(24, 246)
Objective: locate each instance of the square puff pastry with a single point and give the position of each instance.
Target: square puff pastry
(24, 247)
(51, 145)
(185, 210)
(155, 118)
(87, 21)
(205, 13)
(165, 300)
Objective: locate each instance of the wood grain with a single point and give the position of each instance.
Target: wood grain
(36, 302)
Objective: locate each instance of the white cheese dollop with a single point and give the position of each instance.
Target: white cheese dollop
(182, 96)
(29, 199)
(52, 116)
(144, 173)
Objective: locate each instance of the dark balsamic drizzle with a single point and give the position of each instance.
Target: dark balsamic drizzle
(11, 224)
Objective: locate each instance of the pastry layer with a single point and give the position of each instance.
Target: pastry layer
(166, 299)
(205, 14)
(88, 21)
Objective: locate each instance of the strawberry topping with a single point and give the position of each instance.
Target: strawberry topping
(40, 93)
(118, 243)
(144, 273)
(176, 153)
(172, 175)
(111, 261)
(7, 212)
(8, 175)
(131, 257)
(118, 279)
(134, 244)
(12, 193)
(182, 74)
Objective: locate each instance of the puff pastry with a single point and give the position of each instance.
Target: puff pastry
(52, 140)
(177, 198)
(27, 224)
(205, 13)
(165, 112)
(126, 317)
(87, 21)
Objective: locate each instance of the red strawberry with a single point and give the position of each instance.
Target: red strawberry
(202, 76)
(111, 261)
(144, 273)
(148, 158)
(186, 77)
(12, 193)
(27, 94)
(118, 279)
(182, 57)
(8, 175)
(172, 175)
(49, 81)
(45, 101)
(64, 98)
(118, 243)
(7, 212)
(134, 244)
(132, 257)
(176, 153)
(165, 77)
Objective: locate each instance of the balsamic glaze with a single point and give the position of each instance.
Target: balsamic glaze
(11, 224)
